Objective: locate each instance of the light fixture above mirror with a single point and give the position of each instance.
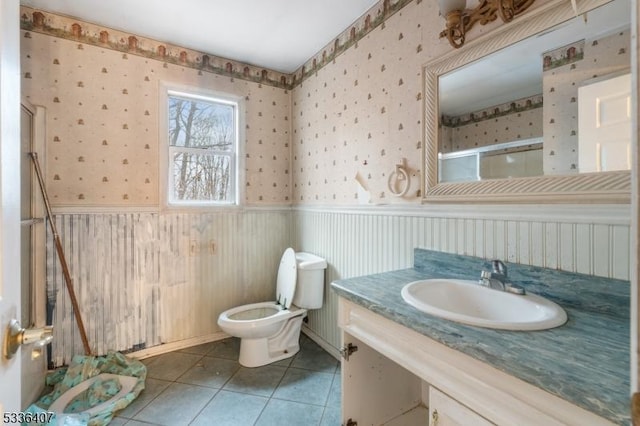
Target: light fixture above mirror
(460, 19)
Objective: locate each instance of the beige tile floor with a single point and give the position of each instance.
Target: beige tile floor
(205, 385)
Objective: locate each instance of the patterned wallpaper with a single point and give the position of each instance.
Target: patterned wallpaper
(565, 70)
(521, 119)
(360, 115)
(361, 27)
(102, 146)
(357, 116)
(357, 108)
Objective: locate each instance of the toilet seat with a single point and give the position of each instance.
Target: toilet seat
(287, 276)
(127, 383)
(257, 318)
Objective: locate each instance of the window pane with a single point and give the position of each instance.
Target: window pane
(202, 177)
(201, 124)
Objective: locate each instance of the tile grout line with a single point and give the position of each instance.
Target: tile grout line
(288, 369)
(212, 396)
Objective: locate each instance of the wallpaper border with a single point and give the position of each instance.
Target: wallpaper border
(362, 26)
(73, 29)
(77, 30)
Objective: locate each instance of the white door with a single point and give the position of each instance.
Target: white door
(10, 390)
(604, 125)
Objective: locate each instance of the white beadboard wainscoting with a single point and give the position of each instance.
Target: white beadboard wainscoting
(590, 239)
(146, 279)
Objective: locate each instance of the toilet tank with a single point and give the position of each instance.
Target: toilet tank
(310, 283)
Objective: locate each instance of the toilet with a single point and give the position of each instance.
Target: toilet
(270, 331)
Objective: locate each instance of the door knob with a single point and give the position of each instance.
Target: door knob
(16, 335)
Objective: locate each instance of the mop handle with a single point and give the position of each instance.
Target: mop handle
(63, 260)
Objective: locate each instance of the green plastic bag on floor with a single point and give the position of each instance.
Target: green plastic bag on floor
(83, 368)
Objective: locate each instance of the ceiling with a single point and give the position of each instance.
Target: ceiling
(280, 35)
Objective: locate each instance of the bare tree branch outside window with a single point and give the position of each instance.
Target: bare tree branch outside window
(202, 149)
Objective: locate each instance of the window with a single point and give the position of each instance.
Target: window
(202, 134)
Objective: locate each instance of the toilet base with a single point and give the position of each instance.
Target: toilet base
(263, 351)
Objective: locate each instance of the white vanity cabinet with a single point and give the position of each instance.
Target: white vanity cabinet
(397, 376)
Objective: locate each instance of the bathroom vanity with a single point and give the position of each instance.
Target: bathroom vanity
(413, 368)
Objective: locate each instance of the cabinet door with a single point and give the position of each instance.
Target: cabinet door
(446, 411)
(376, 390)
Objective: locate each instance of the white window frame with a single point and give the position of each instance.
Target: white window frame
(166, 155)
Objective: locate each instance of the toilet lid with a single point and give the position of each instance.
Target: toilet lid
(287, 275)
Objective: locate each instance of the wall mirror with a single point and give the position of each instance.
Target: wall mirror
(503, 112)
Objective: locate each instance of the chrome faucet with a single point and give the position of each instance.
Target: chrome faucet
(497, 279)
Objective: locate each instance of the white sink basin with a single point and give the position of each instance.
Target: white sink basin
(469, 303)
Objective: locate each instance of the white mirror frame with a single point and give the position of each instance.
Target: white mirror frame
(603, 187)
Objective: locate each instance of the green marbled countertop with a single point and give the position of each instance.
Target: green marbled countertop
(586, 361)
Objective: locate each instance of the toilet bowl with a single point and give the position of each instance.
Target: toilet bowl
(270, 331)
(127, 383)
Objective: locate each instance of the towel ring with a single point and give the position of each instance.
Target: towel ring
(396, 178)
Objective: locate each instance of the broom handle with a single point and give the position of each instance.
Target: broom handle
(63, 260)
